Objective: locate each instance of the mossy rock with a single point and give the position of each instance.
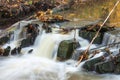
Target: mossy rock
(66, 48)
(105, 67)
(90, 65)
(89, 36)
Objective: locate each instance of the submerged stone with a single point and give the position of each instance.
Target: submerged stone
(66, 49)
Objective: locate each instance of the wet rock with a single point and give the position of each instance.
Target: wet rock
(66, 48)
(46, 28)
(4, 39)
(105, 67)
(7, 51)
(32, 32)
(1, 51)
(30, 51)
(27, 42)
(19, 49)
(13, 52)
(16, 51)
(117, 69)
(88, 32)
(90, 65)
(89, 36)
(117, 59)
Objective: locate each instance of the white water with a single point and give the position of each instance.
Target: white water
(40, 65)
(110, 38)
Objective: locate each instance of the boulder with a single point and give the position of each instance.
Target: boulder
(16, 51)
(105, 67)
(26, 42)
(89, 36)
(66, 48)
(90, 65)
(7, 51)
(117, 69)
(19, 49)
(13, 52)
(4, 39)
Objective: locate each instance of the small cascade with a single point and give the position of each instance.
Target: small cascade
(20, 30)
(41, 64)
(111, 37)
(46, 44)
(11, 36)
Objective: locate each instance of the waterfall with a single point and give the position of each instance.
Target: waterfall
(20, 30)
(46, 44)
(111, 37)
(42, 64)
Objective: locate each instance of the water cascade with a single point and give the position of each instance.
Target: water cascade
(111, 37)
(41, 64)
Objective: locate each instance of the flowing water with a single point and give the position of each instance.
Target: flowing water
(110, 37)
(42, 64)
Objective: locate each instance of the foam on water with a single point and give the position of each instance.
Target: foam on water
(30, 67)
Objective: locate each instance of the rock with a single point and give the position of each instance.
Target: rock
(90, 65)
(26, 42)
(1, 51)
(16, 51)
(117, 69)
(105, 67)
(117, 59)
(88, 32)
(19, 49)
(46, 28)
(13, 52)
(32, 32)
(7, 51)
(30, 51)
(89, 36)
(66, 48)
(4, 39)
